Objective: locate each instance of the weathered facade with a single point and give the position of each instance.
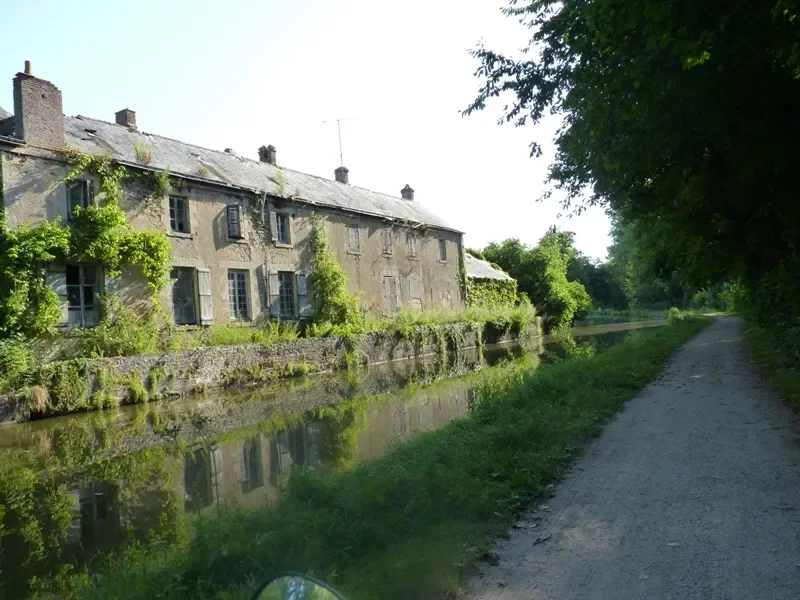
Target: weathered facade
(239, 228)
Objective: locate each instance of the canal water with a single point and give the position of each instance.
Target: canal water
(74, 488)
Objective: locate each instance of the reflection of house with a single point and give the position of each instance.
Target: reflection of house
(239, 228)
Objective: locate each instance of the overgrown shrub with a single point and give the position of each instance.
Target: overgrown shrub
(564, 345)
(17, 364)
(120, 332)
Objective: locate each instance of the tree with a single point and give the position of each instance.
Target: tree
(679, 115)
(541, 272)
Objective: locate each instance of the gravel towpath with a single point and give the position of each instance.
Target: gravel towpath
(692, 492)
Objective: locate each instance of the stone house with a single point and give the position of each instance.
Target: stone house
(239, 228)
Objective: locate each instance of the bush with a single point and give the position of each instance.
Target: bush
(121, 331)
(674, 315)
(17, 364)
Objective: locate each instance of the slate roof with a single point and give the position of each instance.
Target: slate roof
(94, 136)
(3, 114)
(481, 269)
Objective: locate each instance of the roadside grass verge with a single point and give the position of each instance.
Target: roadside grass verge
(412, 523)
(777, 354)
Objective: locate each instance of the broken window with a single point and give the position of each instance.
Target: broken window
(234, 214)
(387, 242)
(282, 224)
(237, 295)
(286, 294)
(442, 250)
(79, 195)
(178, 214)
(183, 297)
(353, 240)
(82, 292)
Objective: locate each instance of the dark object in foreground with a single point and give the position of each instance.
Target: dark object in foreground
(296, 587)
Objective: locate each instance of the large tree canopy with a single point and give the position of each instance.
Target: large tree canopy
(680, 115)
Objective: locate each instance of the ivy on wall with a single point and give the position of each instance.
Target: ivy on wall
(99, 234)
(491, 293)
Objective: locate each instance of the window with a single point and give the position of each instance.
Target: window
(183, 298)
(79, 194)
(387, 242)
(442, 250)
(302, 295)
(282, 223)
(353, 241)
(82, 296)
(411, 244)
(237, 295)
(390, 293)
(234, 215)
(286, 294)
(178, 214)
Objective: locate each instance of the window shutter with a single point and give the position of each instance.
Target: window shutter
(57, 280)
(303, 305)
(274, 294)
(204, 290)
(273, 226)
(234, 216)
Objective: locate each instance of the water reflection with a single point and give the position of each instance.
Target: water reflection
(74, 488)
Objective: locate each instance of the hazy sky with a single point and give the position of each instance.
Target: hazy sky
(242, 73)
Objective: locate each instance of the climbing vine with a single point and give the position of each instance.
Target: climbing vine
(99, 233)
(334, 305)
(493, 293)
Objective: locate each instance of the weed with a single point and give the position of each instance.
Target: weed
(201, 171)
(143, 153)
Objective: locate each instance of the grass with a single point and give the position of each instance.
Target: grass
(777, 354)
(412, 523)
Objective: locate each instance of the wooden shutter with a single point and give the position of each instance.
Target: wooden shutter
(234, 218)
(57, 280)
(273, 225)
(274, 294)
(303, 305)
(204, 291)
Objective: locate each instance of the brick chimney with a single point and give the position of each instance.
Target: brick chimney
(38, 111)
(407, 193)
(268, 154)
(127, 118)
(342, 174)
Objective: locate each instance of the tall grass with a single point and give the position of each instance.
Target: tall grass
(406, 525)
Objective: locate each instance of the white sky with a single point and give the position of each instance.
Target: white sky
(245, 73)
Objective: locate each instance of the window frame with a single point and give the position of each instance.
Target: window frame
(173, 215)
(87, 196)
(442, 250)
(88, 315)
(286, 228)
(194, 296)
(230, 211)
(238, 294)
(287, 278)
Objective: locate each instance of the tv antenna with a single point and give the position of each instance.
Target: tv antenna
(339, 131)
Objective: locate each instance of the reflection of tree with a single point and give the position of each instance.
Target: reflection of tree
(340, 449)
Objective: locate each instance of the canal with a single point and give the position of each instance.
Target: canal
(74, 488)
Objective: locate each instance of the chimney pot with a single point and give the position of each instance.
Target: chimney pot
(407, 193)
(127, 118)
(268, 154)
(28, 68)
(342, 174)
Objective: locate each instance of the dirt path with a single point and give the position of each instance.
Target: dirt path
(692, 492)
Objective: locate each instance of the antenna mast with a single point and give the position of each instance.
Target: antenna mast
(339, 131)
